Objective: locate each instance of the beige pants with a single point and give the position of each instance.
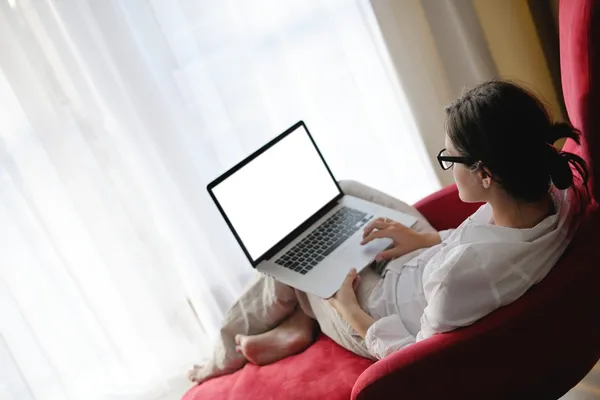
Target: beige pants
(266, 302)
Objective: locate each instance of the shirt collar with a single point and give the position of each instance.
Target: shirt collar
(481, 228)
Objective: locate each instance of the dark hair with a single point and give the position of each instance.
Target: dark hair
(509, 130)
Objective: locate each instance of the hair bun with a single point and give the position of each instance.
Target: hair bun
(561, 130)
(560, 171)
(559, 163)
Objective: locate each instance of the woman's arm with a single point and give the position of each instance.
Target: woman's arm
(460, 291)
(359, 320)
(345, 303)
(382, 337)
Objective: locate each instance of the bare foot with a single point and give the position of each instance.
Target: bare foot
(292, 336)
(196, 374)
(201, 373)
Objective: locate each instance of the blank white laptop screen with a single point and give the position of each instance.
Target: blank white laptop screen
(276, 192)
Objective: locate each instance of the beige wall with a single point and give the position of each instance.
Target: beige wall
(439, 47)
(515, 47)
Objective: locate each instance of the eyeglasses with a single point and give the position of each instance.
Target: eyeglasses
(447, 161)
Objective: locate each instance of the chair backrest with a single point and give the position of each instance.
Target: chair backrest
(544, 343)
(579, 27)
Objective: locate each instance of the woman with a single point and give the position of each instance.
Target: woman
(499, 145)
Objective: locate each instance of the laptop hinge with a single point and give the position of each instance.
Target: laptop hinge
(298, 231)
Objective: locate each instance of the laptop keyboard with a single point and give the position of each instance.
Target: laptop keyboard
(323, 240)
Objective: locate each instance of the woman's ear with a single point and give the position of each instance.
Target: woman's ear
(487, 182)
(485, 175)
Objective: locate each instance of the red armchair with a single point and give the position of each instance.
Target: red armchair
(538, 347)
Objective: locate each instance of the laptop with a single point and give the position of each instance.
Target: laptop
(291, 218)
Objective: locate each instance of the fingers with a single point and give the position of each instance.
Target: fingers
(347, 291)
(379, 223)
(388, 254)
(352, 279)
(348, 281)
(384, 233)
(352, 274)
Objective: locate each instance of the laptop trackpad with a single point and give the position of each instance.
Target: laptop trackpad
(359, 256)
(375, 247)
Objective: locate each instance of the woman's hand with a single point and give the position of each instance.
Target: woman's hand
(405, 239)
(346, 304)
(345, 297)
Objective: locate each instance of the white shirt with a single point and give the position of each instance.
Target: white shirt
(477, 268)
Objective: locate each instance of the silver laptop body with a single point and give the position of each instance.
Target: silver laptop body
(291, 218)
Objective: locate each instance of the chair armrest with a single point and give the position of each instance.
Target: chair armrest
(444, 209)
(385, 377)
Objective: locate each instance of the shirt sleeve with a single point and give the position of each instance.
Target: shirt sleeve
(386, 336)
(458, 293)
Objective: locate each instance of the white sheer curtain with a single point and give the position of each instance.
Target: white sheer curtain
(115, 267)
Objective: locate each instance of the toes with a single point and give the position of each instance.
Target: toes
(193, 373)
(238, 339)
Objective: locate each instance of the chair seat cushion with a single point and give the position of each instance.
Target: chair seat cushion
(323, 371)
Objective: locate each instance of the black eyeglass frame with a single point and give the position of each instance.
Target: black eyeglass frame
(453, 159)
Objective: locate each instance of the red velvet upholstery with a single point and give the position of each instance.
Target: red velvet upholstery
(538, 347)
(580, 73)
(545, 342)
(444, 209)
(324, 371)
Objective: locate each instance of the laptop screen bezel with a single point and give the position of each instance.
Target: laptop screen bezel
(302, 227)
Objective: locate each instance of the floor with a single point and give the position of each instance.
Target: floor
(588, 388)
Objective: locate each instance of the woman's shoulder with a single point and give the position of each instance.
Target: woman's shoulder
(480, 245)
